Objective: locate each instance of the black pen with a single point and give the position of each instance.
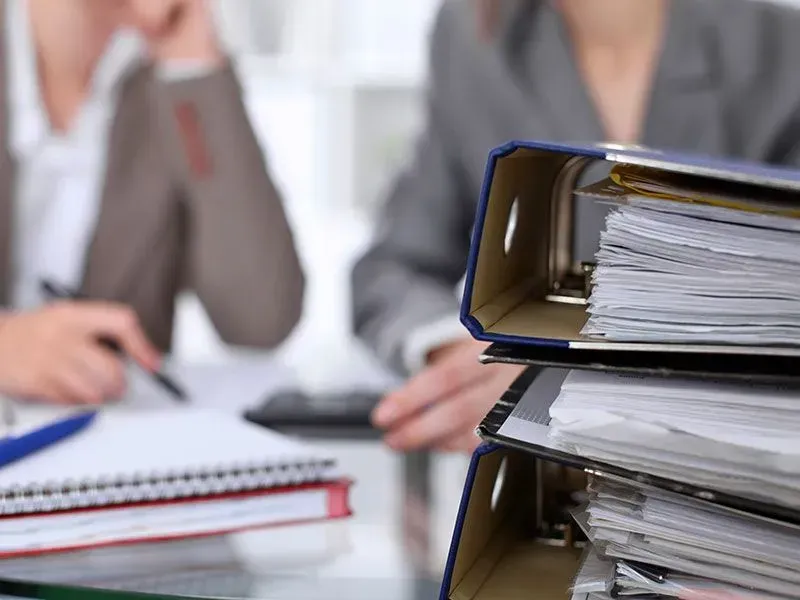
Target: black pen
(57, 292)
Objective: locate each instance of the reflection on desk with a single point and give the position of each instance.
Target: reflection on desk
(134, 567)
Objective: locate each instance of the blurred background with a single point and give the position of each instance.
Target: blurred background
(333, 88)
(334, 91)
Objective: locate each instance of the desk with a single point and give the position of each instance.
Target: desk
(393, 548)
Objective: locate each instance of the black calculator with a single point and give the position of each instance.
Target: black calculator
(298, 409)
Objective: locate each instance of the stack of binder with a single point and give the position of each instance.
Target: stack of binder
(652, 447)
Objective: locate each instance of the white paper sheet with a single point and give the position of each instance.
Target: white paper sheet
(695, 538)
(679, 272)
(124, 443)
(753, 419)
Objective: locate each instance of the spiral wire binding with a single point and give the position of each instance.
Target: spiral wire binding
(157, 486)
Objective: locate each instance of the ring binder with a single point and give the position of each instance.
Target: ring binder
(535, 294)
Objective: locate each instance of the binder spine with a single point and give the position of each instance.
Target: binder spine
(110, 491)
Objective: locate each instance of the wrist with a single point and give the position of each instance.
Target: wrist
(428, 337)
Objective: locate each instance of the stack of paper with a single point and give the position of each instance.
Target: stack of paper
(737, 438)
(679, 269)
(686, 262)
(650, 542)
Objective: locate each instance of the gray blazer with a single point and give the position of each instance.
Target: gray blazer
(187, 202)
(727, 84)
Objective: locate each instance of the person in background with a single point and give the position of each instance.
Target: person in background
(129, 171)
(715, 77)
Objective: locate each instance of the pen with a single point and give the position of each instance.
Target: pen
(14, 448)
(57, 292)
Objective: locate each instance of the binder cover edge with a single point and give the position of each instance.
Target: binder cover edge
(746, 172)
(762, 369)
(458, 527)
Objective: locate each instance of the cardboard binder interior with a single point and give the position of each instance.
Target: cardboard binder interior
(497, 557)
(511, 280)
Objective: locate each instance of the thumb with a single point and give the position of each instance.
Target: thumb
(120, 324)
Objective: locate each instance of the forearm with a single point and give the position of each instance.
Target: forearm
(394, 309)
(241, 255)
(245, 269)
(404, 298)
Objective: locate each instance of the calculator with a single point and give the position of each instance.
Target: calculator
(296, 408)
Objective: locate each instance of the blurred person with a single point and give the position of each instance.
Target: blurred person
(714, 77)
(129, 172)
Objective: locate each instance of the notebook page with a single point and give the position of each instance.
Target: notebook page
(59, 530)
(127, 443)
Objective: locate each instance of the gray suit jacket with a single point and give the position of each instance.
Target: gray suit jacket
(187, 201)
(727, 84)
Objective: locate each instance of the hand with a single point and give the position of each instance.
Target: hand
(177, 30)
(54, 354)
(440, 407)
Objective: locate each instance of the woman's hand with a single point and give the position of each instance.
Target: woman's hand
(54, 353)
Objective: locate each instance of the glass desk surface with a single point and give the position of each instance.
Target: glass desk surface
(393, 548)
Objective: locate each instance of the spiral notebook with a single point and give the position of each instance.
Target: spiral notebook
(162, 474)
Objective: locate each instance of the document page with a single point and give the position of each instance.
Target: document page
(673, 268)
(690, 538)
(530, 418)
(735, 438)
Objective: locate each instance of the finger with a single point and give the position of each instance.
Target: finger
(457, 415)
(50, 392)
(454, 416)
(72, 386)
(103, 368)
(435, 383)
(119, 323)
